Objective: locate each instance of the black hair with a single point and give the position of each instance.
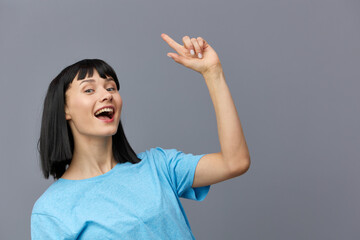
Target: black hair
(56, 142)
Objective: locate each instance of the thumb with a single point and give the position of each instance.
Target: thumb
(179, 59)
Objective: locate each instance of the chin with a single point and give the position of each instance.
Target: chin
(110, 133)
(106, 133)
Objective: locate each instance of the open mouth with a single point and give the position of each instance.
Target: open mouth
(105, 113)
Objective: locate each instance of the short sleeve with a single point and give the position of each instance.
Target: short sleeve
(181, 168)
(45, 227)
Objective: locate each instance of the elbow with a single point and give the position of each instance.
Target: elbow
(243, 167)
(246, 165)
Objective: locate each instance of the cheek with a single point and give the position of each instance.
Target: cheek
(80, 108)
(119, 101)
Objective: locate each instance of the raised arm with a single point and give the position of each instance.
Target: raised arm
(234, 158)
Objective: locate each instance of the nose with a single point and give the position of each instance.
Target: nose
(106, 96)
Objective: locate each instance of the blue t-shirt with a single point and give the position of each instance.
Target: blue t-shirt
(131, 201)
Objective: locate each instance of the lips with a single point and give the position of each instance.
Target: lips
(106, 119)
(105, 112)
(109, 106)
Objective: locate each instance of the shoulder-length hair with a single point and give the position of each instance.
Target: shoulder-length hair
(56, 142)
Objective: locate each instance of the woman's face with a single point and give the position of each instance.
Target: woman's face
(84, 99)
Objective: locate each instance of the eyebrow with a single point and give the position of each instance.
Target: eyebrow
(92, 80)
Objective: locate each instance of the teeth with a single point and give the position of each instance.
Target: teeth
(104, 110)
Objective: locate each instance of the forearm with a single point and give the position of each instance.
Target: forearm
(232, 141)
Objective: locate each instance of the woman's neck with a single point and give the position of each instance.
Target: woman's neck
(93, 156)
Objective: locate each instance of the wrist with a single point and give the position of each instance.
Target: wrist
(213, 72)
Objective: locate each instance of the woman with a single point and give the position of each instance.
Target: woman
(103, 189)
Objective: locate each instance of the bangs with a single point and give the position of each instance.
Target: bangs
(85, 68)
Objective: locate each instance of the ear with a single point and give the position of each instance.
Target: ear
(67, 115)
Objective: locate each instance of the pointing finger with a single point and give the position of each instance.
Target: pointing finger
(177, 47)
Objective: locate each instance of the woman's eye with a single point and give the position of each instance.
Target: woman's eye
(109, 89)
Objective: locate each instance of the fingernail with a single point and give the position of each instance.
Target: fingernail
(199, 55)
(168, 55)
(192, 52)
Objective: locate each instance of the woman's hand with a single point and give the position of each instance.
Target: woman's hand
(204, 58)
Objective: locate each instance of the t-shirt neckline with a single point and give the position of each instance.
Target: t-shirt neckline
(108, 173)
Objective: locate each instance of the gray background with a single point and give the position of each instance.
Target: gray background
(293, 71)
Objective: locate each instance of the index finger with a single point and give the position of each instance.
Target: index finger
(171, 42)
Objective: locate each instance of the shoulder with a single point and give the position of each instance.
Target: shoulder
(154, 153)
(173, 155)
(163, 153)
(157, 157)
(51, 199)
